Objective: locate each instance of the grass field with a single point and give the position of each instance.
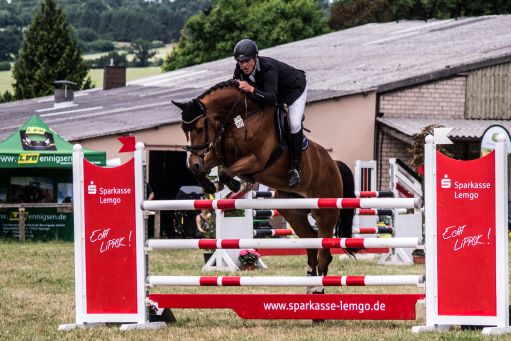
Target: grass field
(37, 294)
(160, 53)
(132, 73)
(96, 75)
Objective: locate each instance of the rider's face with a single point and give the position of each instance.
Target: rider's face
(247, 66)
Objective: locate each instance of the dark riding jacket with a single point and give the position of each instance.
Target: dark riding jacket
(275, 82)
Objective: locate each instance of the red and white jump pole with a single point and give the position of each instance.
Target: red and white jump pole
(298, 243)
(311, 203)
(288, 281)
(271, 232)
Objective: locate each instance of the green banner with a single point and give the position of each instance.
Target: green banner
(35, 145)
(40, 224)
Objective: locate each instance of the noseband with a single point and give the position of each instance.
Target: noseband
(201, 150)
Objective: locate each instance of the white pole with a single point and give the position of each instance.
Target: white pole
(400, 280)
(313, 203)
(308, 243)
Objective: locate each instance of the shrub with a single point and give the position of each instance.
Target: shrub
(5, 66)
(99, 45)
(99, 63)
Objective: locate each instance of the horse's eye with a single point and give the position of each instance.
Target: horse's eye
(198, 129)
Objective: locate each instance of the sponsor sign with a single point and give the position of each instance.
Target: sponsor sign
(466, 236)
(110, 245)
(489, 139)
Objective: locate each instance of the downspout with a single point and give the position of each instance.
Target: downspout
(378, 138)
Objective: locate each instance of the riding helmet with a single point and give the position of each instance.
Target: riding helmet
(245, 49)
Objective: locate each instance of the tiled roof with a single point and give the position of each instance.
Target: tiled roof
(462, 129)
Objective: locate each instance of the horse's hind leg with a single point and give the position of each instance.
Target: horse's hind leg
(326, 221)
(303, 229)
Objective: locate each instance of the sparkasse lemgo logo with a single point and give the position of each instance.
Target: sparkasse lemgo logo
(445, 182)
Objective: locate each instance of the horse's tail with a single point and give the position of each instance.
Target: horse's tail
(345, 223)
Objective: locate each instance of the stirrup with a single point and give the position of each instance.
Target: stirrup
(294, 178)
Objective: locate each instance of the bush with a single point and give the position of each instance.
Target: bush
(5, 66)
(99, 45)
(87, 34)
(6, 97)
(156, 44)
(99, 63)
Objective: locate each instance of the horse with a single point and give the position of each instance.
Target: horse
(225, 127)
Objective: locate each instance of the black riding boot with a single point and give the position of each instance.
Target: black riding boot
(296, 158)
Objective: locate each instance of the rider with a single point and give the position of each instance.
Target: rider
(272, 82)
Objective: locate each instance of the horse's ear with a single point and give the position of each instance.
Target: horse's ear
(179, 105)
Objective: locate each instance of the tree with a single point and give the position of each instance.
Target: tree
(142, 51)
(49, 53)
(346, 14)
(10, 42)
(349, 13)
(211, 35)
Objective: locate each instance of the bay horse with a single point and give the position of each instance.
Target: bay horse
(225, 127)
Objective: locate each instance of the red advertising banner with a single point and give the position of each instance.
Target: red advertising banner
(110, 245)
(300, 306)
(466, 236)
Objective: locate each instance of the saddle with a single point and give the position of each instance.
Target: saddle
(282, 126)
(283, 130)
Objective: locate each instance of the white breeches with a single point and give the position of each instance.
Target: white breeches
(296, 112)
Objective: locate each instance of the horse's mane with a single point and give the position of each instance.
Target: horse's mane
(231, 83)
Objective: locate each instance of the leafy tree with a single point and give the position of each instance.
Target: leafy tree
(10, 42)
(113, 58)
(142, 51)
(211, 35)
(353, 13)
(120, 20)
(49, 53)
(6, 97)
(349, 13)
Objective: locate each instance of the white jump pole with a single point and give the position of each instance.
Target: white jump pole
(313, 203)
(307, 243)
(278, 281)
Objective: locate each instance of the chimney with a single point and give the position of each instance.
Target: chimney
(64, 94)
(114, 77)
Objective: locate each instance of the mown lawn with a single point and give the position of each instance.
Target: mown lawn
(96, 75)
(37, 294)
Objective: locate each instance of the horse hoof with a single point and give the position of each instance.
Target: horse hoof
(219, 186)
(318, 291)
(209, 188)
(234, 185)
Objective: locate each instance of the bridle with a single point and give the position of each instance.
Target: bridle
(201, 150)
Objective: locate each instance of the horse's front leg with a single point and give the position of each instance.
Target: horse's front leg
(246, 165)
(206, 184)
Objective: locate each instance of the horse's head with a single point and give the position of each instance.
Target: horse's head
(204, 120)
(199, 134)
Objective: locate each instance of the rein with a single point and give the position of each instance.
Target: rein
(201, 150)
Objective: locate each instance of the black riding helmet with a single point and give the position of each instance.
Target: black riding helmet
(245, 49)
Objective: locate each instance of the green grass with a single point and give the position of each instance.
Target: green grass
(96, 75)
(37, 294)
(160, 52)
(131, 74)
(5, 81)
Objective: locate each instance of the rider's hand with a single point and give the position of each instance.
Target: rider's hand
(245, 86)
